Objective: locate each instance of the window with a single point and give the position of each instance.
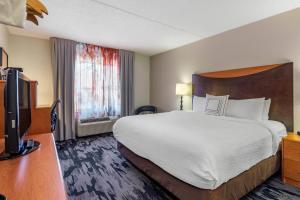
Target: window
(97, 82)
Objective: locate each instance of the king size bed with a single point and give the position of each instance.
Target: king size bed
(198, 156)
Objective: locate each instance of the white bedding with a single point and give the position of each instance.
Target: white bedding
(202, 150)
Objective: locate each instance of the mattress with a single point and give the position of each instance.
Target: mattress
(201, 150)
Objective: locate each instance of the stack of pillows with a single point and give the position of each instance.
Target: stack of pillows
(253, 109)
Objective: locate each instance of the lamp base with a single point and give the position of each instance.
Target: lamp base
(181, 101)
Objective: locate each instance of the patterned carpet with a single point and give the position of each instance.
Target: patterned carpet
(94, 169)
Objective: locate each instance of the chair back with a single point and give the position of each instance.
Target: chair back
(145, 110)
(53, 115)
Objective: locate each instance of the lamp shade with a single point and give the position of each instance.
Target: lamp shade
(183, 89)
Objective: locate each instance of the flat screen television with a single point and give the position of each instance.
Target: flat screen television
(17, 111)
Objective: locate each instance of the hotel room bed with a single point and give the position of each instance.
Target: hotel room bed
(197, 156)
(201, 150)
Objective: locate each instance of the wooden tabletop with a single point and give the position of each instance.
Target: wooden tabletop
(34, 176)
(292, 137)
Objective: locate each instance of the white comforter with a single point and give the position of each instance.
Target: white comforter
(202, 150)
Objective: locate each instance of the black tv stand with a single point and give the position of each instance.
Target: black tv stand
(28, 147)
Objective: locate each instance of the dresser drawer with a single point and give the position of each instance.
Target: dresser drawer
(292, 169)
(291, 150)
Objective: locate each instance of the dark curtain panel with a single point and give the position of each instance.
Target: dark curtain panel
(126, 63)
(63, 63)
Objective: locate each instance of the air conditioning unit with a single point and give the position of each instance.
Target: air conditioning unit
(95, 127)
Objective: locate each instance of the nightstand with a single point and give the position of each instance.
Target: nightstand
(291, 160)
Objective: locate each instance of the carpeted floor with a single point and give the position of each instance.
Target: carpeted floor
(93, 169)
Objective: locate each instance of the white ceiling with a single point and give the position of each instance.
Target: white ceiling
(149, 26)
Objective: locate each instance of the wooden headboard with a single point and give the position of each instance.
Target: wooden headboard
(271, 81)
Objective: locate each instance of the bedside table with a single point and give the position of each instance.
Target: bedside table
(291, 160)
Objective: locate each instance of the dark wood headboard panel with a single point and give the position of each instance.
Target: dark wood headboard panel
(272, 81)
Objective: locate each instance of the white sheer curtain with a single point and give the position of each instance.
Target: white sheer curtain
(97, 82)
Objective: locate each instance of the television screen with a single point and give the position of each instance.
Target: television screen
(24, 105)
(17, 110)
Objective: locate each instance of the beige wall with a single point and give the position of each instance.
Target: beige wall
(4, 37)
(33, 55)
(273, 40)
(141, 80)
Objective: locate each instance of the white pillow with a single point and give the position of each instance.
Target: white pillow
(215, 105)
(198, 104)
(267, 105)
(246, 108)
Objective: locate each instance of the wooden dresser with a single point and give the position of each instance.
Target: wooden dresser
(35, 176)
(291, 160)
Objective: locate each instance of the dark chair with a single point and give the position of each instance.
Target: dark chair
(53, 114)
(145, 110)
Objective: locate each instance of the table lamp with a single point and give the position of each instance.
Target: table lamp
(183, 89)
